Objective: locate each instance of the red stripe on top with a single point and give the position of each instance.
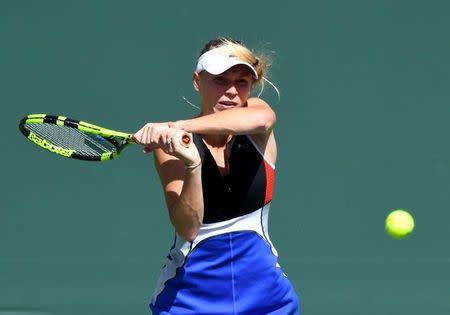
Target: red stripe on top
(270, 182)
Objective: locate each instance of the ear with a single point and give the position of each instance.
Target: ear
(196, 81)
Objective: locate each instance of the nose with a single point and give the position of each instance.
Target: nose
(231, 91)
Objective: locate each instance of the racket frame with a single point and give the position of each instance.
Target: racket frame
(117, 138)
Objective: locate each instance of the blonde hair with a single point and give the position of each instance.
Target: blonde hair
(236, 49)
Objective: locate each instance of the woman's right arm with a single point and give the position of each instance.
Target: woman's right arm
(182, 190)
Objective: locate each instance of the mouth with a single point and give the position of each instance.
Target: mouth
(227, 104)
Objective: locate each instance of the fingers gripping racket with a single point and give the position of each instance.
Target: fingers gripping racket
(77, 139)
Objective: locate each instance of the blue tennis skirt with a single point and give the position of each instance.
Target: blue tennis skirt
(231, 273)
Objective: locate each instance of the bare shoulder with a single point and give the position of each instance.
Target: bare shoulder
(265, 141)
(266, 145)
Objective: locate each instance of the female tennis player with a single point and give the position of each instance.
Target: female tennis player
(218, 192)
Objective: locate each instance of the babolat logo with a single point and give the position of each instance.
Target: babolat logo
(43, 143)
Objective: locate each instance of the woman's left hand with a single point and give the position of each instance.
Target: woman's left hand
(152, 136)
(169, 138)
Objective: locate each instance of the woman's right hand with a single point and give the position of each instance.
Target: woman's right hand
(170, 140)
(180, 144)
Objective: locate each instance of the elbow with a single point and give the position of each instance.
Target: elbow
(186, 227)
(265, 121)
(190, 237)
(263, 116)
(188, 234)
(186, 220)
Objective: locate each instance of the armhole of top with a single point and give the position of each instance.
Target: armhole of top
(260, 152)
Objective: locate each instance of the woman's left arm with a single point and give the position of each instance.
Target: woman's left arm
(255, 118)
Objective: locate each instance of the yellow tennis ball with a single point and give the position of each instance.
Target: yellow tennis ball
(399, 224)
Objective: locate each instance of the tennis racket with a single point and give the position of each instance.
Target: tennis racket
(77, 139)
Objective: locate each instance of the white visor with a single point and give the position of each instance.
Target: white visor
(216, 62)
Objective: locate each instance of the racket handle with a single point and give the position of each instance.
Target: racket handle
(134, 138)
(186, 139)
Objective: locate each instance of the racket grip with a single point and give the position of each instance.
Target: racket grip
(134, 138)
(186, 139)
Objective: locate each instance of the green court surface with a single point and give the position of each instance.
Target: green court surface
(362, 128)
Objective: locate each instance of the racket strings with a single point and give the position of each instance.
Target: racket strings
(73, 139)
